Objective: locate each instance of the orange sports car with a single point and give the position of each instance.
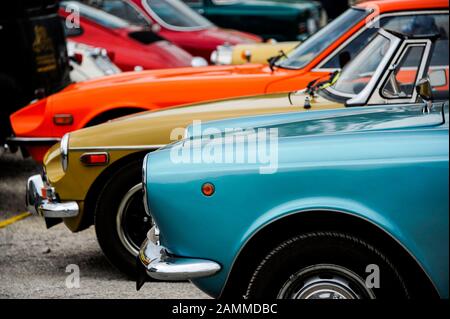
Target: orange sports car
(42, 123)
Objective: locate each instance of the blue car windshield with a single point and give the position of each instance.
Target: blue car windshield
(317, 43)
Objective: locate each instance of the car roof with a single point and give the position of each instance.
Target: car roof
(400, 5)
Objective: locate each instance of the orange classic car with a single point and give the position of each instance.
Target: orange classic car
(39, 125)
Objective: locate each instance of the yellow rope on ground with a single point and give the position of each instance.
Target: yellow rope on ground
(14, 219)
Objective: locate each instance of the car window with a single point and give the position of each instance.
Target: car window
(402, 80)
(407, 24)
(321, 40)
(121, 9)
(226, 1)
(177, 14)
(357, 74)
(102, 18)
(194, 2)
(438, 70)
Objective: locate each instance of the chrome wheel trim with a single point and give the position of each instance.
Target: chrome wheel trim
(124, 238)
(325, 281)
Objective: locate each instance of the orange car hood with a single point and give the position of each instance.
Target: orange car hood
(178, 74)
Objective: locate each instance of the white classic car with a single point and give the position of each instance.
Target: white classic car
(88, 62)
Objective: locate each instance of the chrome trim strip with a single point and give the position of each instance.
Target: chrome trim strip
(117, 148)
(15, 139)
(144, 185)
(363, 97)
(378, 98)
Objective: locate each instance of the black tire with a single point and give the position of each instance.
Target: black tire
(293, 268)
(134, 229)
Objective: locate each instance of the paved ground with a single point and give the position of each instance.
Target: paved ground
(14, 172)
(33, 260)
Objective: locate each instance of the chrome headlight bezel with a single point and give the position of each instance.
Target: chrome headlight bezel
(223, 55)
(144, 185)
(198, 61)
(64, 150)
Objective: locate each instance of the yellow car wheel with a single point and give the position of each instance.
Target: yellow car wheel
(121, 222)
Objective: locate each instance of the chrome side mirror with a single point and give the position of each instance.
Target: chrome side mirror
(424, 89)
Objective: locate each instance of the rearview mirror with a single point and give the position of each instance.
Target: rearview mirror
(438, 78)
(424, 89)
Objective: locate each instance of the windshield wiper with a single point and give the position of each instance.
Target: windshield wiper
(273, 60)
(315, 86)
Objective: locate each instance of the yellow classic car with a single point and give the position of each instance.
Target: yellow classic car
(250, 53)
(93, 176)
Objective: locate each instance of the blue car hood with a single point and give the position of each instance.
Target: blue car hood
(328, 121)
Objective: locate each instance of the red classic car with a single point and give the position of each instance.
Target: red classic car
(176, 22)
(132, 47)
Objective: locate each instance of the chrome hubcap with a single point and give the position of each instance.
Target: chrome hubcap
(132, 221)
(325, 282)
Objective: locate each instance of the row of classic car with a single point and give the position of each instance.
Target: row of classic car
(361, 179)
(137, 35)
(150, 22)
(327, 50)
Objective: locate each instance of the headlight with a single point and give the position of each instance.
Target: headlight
(144, 184)
(198, 62)
(64, 149)
(223, 55)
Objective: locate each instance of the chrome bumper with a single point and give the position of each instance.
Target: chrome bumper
(14, 140)
(47, 206)
(155, 261)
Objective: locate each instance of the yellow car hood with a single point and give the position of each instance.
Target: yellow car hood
(155, 127)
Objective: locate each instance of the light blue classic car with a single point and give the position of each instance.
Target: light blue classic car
(353, 204)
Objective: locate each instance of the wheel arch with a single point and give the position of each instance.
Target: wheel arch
(106, 114)
(274, 232)
(97, 186)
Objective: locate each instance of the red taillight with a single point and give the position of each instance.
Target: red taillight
(78, 58)
(44, 192)
(208, 189)
(63, 119)
(94, 159)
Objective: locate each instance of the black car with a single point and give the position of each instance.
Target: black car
(33, 59)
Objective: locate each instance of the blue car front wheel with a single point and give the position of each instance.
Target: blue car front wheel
(326, 265)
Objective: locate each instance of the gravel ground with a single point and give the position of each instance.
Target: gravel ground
(33, 260)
